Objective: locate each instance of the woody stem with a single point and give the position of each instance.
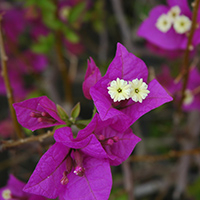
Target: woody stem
(185, 69)
(9, 92)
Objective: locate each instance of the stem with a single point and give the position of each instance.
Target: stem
(169, 155)
(63, 68)
(7, 84)
(11, 143)
(185, 69)
(128, 181)
(126, 33)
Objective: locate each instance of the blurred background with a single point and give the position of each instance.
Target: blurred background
(47, 44)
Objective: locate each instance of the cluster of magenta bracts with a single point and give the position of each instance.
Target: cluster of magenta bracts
(79, 167)
(82, 160)
(172, 41)
(162, 38)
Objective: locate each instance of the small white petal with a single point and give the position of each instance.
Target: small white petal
(164, 23)
(138, 90)
(182, 24)
(119, 90)
(174, 12)
(6, 194)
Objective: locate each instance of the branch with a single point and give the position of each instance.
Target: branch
(189, 47)
(169, 155)
(128, 180)
(63, 68)
(126, 33)
(10, 144)
(7, 84)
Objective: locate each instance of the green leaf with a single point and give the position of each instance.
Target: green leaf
(44, 44)
(47, 5)
(51, 22)
(85, 121)
(27, 131)
(59, 126)
(81, 124)
(193, 189)
(71, 35)
(61, 112)
(76, 111)
(76, 12)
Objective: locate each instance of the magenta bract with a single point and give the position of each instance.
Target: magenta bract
(92, 75)
(13, 190)
(37, 113)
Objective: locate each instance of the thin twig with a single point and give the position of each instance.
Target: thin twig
(126, 33)
(10, 144)
(128, 179)
(169, 155)
(63, 68)
(189, 47)
(7, 84)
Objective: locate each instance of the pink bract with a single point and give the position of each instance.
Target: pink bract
(30, 113)
(15, 187)
(92, 75)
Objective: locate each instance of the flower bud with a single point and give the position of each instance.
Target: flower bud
(64, 180)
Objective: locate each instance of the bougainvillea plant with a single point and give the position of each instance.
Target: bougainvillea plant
(14, 190)
(167, 26)
(123, 92)
(77, 166)
(191, 100)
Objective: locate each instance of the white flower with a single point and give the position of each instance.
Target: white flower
(182, 24)
(174, 12)
(138, 90)
(6, 194)
(189, 97)
(119, 90)
(164, 23)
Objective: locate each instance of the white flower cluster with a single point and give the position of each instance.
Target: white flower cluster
(120, 89)
(180, 23)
